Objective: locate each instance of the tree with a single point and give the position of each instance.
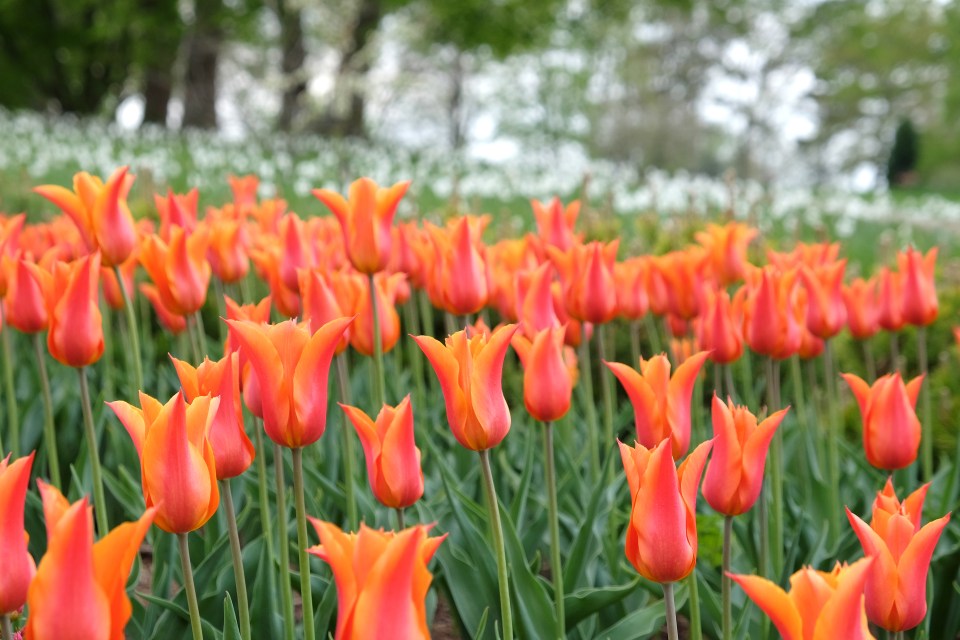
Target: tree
(903, 157)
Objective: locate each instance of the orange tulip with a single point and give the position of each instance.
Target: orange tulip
(735, 474)
(820, 605)
(631, 278)
(682, 272)
(920, 306)
(771, 325)
(24, 305)
(726, 248)
(661, 403)
(366, 219)
(891, 430)
(891, 302)
(9, 241)
(382, 579)
(587, 275)
(80, 587)
(535, 302)
(896, 590)
(18, 565)
(661, 539)
(354, 290)
(826, 311)
(178, 470)
(267, 262)
(179, 270)
(172, 322)
(99, 212)
(292, 366)
(232, 449)
(227, 253)
(863, 313)
(555, 222)
(295, 252)
(321, 304)
(176, 210)
(718, 331)
(393, 459)
(244, 189)
(75, 336)
(460, 267)
(547, 382)
(470, 371)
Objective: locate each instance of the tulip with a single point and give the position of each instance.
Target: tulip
(176, 210)
(179, 269)
(18, 565)
(382, 579)
(826, 311)
(682, 272)
(920, 307)
(24, 304)
(555, 222)
(661, 402)
(177, 465)
(770, 323)
(99, 212)
(547, 380)
(461, 268)
(227, 253)
(80, 587)
(719, 330)
(587, 275)
(896, 588)
(820, 605)
(393, 460)
(291, 367)
(891, 430)
(891, 300)
(726, 248)
(321, 302)
(365, 219)
(112, 293)
(364, 330)
(535, 303)
(661, 539)
(267, 263)
(631, 278)
(172, 322)
(863, 317)
(470, 371)
(244, 189)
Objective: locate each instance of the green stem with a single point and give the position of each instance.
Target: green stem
(586, 382)
(554, 513)
(411, 323)
(99, 500)
(833, 452)
(237, 555)
(400, 524)
(894, 351)
(195, 349)
(926, 441)
(634, 342)
(284, 544)
(652, 334)
(189, 587)
(265, 507)
(306, 590)
(134, 332)
(696, 630)
(201, 334)
(343, 380)
(606, 387)
(776, 477)
(728, 377)
(379, 382)
(13, 418)
(870, 362)
(6, 627)
(671, 607)
(49, 436)
(496, 532)
(725, 579)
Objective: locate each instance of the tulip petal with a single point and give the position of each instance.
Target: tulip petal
(774, 602)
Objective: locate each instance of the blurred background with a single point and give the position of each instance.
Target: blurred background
(845, 94)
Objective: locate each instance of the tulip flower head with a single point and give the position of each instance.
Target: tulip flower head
(382, 579)
(24, 305)
(771, 325)
(920, 306)
(661, 402)
(896, 589)
(588, 283)
(661, 539)
(179, 269)
(393, 459)
(718, 330)
(547, 380)
(461, 269)
(555, 222)
(826, 311)
(726, 248)
(820, 605)
(891, 429)
(470, 370)
(863, 312)
(18, 565)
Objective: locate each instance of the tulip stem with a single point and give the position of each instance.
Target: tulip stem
(653, 335)
(725, 579)
(634, 341)
(833, 453)
(728, 377)
(193, 333)
(926, 442)
(6, 626)
(265, 508)
(671, 607)
(99, 500)
(496, 532)
(400, 524)
(343, 380)
(49, 436)
(869, 361)
(555, 565)
(894, 351)
(380, 383)
(606, 386)
(13, 418)
(306, 591)
(134, 331)
(189, 587)
(776, 476)
(412, 326)
(586, 379)
(237, 555)
(284, 543)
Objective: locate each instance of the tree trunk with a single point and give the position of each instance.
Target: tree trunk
(157, 86)
(159, 39)
(294, 56)
(200, 83)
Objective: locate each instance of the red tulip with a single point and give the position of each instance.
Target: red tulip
(826, 311)
(891, 430)
(547, 382)
(718, 330)
(18, 565)
(920, 306)
(863, 313)
(555, 222)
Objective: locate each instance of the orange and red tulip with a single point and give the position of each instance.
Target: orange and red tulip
(718, 330)
(555, 222)
(382, 579)
(178, 471)
(176, 210)
(726, 248)
(267, 263)
(321, 304)
(820, 606)
(80, 587)
(393, 459)
(25, 307)
(920, 306)
(682, 273)
(232, 449)
(547, 381)
(9, 242)
(826, 311)
(734, 476)
(631, 278)
(896, 589)
(891, 429)
(366, 218)
(18, 565)
(891, 300)
(179, 270)
(99, 212)
(535, 302)
(362, 334)
(661, 402)
(661, 539)
(470, 371)
(587, 275)
(461, 269)
(228, 251)
(863, 312)
(292, 367)
(771, 325)
(172, 322)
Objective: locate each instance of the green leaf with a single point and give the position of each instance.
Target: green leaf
(642, 622)
(532, 606)
(231, 629)
(576, 561)
(583, 603)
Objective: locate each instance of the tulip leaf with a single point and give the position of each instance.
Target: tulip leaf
(326, 607)
(533, 608)
(644, 621)
(519, 504)
(576, 561)
(583, 603)
(231, 628)
(266, 616)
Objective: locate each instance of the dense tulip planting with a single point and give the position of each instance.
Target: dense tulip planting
(462, 527)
